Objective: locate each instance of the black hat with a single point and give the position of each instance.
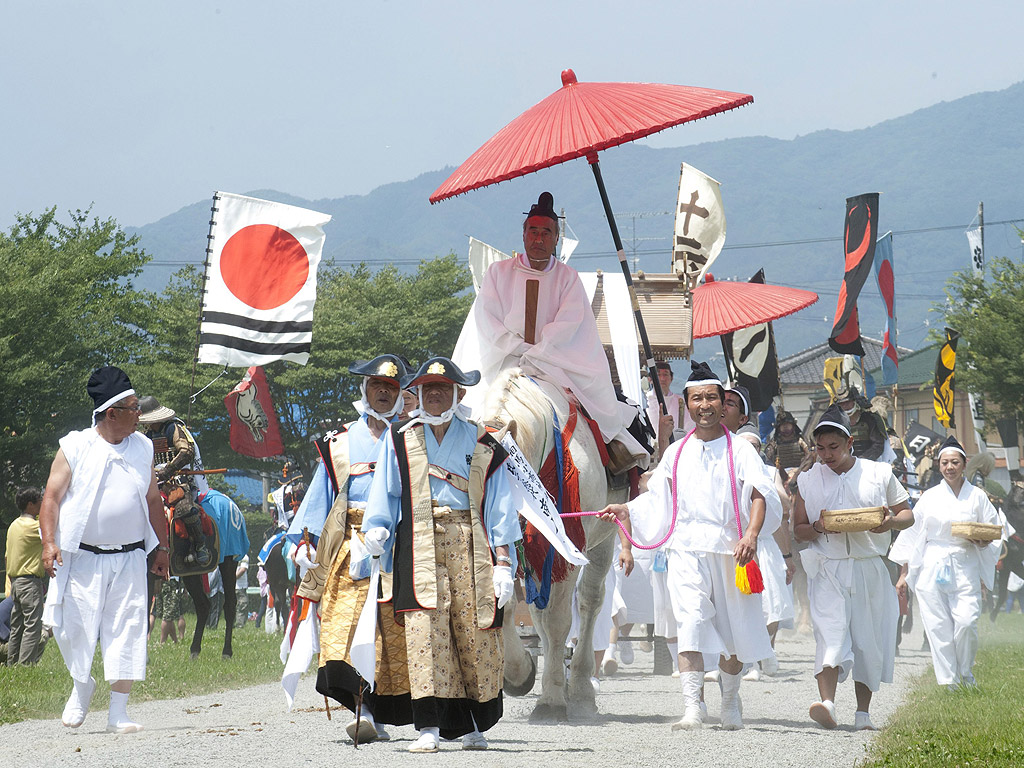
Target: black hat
(744, 394)
(785, 416)
(952, 444)
(663, 365)
(107, 386)
(834, 416)
(701, 374)
(394, 367)
(545, 206)
(441, 369)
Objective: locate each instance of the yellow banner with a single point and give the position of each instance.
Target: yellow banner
(833, 377)
(942, 393)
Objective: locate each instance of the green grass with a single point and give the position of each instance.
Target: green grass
(984, 727)
(42, 690)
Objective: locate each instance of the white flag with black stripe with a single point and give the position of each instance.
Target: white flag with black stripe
(977, 252)
(260, 282)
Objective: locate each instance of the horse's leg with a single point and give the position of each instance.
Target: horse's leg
(194, 587)
(227, 575)
(590, 595)
(553, 624)
(520, 668)
(1003, 589)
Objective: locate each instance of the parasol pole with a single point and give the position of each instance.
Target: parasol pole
(645, 341)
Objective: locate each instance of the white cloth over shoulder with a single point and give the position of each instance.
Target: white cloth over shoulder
(706, 519)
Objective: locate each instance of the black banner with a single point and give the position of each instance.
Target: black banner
(751, 359)
(859, 235)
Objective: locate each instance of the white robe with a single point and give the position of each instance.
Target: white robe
(946, 574)
(567, 351)
(853, 604)
(100, 597)
(712, 615)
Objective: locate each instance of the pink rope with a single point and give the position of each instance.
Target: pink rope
(675, 503)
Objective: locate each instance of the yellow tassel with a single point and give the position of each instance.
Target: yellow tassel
(742, 583)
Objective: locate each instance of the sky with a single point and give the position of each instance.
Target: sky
(139, 109)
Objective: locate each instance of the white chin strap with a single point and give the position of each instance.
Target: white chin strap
(364, 407)
(420, 416)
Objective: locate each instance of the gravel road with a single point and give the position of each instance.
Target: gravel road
(633, 729)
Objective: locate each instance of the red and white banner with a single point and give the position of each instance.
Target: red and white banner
(260, 282)
(254, 428)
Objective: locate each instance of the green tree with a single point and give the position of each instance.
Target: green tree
(990, 317)
(69, 307)
(359, 314)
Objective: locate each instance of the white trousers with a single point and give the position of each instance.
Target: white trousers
(854, 610)
(712, 615)
(104, 598)
(949, 613)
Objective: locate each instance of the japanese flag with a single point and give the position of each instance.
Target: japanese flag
(260, 282)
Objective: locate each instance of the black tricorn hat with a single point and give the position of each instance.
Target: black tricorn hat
(394, 367)
(545, 206)
(834, 416)
(441, 369)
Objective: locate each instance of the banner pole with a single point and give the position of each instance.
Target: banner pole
(202, 301)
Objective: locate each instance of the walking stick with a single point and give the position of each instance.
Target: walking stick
(359, 714)
(327, 704)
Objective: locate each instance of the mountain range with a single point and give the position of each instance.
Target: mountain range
(784, 201)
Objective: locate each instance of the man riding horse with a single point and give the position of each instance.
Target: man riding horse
(533, 313)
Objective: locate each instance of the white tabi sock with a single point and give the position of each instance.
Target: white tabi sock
(732, 720)
(693, 717)
(117, 718)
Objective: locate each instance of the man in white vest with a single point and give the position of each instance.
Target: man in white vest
(101, 515)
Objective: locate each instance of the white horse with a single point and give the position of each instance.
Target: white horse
(525, 407)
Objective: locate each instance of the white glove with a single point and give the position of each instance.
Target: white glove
(305, 562)
(374, 540)
(503, 583)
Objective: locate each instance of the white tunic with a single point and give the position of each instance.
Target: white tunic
(853, 604)
(712, 615)
(946, 574)
(567, 349)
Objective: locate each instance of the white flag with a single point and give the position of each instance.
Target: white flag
(481, 256)
(977, 253)
(568, 246)
(700, 223)
(533, 502)
(260, 282)
(363, 652)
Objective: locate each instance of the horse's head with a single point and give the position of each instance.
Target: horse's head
(516, 403)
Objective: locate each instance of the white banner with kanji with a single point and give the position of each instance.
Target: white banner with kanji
(700, 223)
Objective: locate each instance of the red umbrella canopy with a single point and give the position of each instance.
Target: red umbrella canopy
(724, 307)
(579, 120)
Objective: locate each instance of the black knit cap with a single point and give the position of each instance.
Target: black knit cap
(834, 416)
(545, 206)
(744, 395)
(108, 385)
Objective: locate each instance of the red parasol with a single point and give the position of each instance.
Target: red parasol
(579, 120)
(721, 307)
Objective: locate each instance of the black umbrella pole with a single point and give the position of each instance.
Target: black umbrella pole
(644, 340)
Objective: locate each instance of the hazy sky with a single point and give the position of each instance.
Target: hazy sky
(140, 108)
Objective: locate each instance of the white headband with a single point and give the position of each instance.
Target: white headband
(702, 382)
(110, 402)
(840, 427)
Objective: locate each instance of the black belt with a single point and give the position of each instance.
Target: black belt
(113, 551)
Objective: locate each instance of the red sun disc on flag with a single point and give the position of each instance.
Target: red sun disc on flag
(264, 266)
